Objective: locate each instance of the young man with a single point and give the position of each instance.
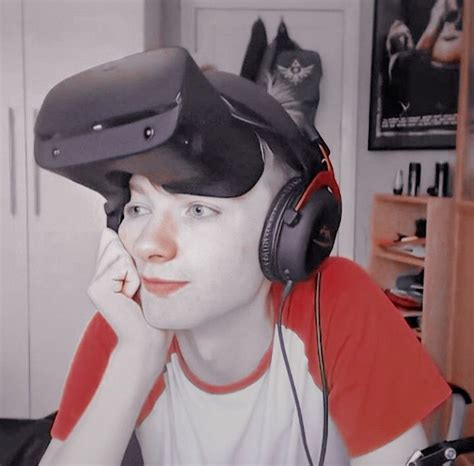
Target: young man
(220, 206)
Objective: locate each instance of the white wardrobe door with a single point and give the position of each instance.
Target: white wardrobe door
(65, 219)
(13, 219)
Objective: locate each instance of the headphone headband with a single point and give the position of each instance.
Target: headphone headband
(321, 180)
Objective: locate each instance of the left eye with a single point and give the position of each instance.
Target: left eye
(200, 211)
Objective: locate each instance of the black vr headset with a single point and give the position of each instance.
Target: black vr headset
(156, 114)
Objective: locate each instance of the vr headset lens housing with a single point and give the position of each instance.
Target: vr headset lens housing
(157, 115)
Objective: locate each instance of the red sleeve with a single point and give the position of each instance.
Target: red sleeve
(381, 380)
(85, 374)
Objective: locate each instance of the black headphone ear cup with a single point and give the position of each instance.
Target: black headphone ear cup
(270, 237)
(303, 245)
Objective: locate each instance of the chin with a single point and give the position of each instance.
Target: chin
(174, 323)
(164, 313)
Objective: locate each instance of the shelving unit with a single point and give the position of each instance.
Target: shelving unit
(400, 258)
(460, 368)
(397, 214)
(448, 300)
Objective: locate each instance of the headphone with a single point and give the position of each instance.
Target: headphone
(301, 225)
(298, 234)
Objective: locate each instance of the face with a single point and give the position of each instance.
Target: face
(448, 46)
(197, 256)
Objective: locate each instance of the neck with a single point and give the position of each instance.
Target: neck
(229, 347)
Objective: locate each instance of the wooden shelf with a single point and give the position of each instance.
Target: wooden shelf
(402, 258)
(465, 206)
(392, 215)
(402, 199)
(461, 322)
(415, 200)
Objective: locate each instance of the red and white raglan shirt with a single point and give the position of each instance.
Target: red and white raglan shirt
(381, 383)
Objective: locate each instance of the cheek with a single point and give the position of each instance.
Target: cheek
(239, 249)
(232, 252)
(251, 237)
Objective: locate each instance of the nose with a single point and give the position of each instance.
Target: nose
(157, 241)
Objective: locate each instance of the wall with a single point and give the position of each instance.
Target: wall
(376, 170)
(171, 24)
(152, 26)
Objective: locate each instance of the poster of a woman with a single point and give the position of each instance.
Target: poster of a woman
(415, 74)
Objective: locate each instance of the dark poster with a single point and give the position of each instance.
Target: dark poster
(415, 74)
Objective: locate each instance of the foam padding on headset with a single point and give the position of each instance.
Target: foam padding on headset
(271, 230)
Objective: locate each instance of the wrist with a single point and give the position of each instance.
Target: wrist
(139, 360)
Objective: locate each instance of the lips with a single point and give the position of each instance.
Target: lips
(160, 287)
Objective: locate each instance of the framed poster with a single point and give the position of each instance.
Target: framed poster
(415, 74)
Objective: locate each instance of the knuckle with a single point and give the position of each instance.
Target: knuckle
(92, 291)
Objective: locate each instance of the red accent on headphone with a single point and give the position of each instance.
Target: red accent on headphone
(322, 179)
(325, 151)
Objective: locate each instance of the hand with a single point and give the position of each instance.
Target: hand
(114, 291)
(430, 34)
(437, 14)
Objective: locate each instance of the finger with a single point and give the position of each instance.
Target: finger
(127, 282)
(113, 250)
(119, 269)
(119, 283)
(108, 265)
(121, 276)
(131, 284)
(107, 287)
(118, 310)
(107, 237)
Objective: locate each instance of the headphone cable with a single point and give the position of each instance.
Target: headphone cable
(317, 315)
(286, 292)
(322, 369)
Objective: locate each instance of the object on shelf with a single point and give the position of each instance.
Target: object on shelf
(440, 187)
(413, 322)
(414, 294)
(410, 246)
(407, 302)
(398, 183)
(408, 313)
(420, 227)
(411, 281)
(414, 176)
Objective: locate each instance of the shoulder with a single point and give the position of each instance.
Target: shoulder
(342, 272)
(347, 287)
(342, 281)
